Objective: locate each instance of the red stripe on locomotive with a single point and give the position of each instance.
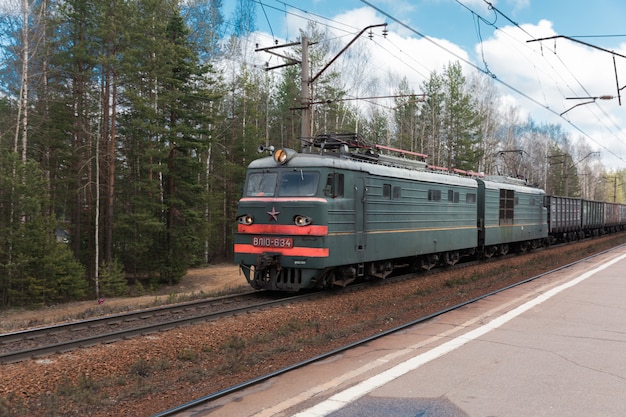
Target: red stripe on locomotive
(281, 229)
(294, 251)
(282, 199)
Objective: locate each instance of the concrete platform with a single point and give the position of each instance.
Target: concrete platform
(553, 347)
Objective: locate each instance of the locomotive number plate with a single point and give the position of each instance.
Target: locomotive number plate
(272, 242)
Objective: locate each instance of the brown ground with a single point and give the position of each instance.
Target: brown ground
(208, 280)
(145, 375)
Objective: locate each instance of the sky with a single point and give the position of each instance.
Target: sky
(545, 80)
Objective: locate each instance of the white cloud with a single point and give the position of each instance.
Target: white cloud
(552, 71)
(548, 72)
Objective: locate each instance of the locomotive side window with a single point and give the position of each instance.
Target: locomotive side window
(261, 184)
(470, 198)
(298, 184)
(397, 193)
(453, 197)
(386, 191)
(434, 195)
(507, 204)
(334, 185)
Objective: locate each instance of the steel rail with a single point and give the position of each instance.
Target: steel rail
(263, 378)
(142, 329)
(42, 331)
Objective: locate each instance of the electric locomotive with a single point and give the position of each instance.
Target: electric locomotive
(344, 212)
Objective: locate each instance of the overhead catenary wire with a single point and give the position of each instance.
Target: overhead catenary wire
(267, 19)
(340, 27)
(599, 119)
(508, 85)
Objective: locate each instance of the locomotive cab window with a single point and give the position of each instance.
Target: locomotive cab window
(334, 185)
(261, 184)
(298, 184)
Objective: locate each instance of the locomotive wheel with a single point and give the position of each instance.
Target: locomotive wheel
(489, 251)
(416, 264)
(451, 258)
(524, 246)
(504, 249)
(326, 280)
(429, 261)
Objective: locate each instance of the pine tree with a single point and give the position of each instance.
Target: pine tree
(431, 119)
(406, 114)
(167, 93)
(461, 122)
(35, 269)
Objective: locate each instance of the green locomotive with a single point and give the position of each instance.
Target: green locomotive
(343, 212)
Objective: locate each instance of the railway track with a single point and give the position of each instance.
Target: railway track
(201, 401)
(247, 348)
(59, 338)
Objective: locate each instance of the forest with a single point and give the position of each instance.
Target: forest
(127, 125)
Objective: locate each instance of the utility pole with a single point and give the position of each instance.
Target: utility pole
(305, 92)
(305, 98)
(306, 79)
(615, 185)
(567, 168)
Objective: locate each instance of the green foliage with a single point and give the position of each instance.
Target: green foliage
(461, 121)
(139, 147)
(160, 228)
(46, 271)
(431, 119)
(406, 119)
(138, 289)
(112, 280)
(35, 269)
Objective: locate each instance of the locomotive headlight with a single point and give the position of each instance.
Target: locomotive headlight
(245, 219)
(300, 220)
(282, 155)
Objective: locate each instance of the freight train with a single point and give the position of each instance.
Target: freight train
(343, 211)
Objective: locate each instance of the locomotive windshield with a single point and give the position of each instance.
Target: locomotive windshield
(298, 184)
(261, 184)
(289, 184)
